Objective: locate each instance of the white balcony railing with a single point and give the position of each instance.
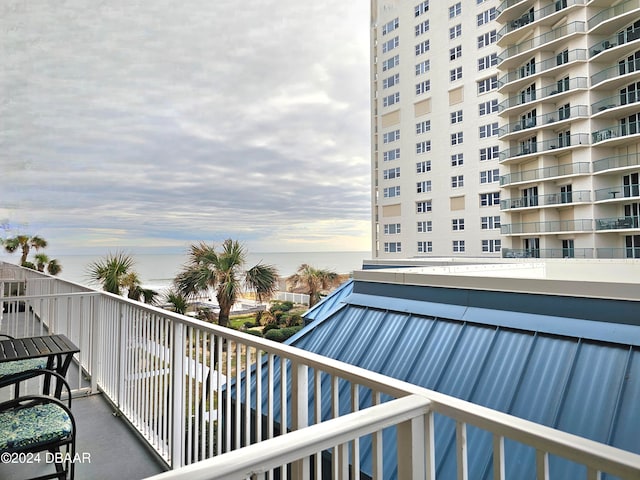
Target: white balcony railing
(213, 402)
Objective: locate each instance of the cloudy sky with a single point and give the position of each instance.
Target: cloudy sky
(160, 123)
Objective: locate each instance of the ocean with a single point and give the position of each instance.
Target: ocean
(158, 270)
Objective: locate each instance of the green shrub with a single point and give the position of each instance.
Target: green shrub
(270, 326)
(281, 306)
(257, 333)
(281, 334)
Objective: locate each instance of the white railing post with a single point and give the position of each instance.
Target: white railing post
(412, 449)
(177, 414)
(96, 342)
(300, 413)
(461, 451)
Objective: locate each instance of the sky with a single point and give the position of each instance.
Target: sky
(157, 124)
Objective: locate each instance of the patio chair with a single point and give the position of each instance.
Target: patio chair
(40, 425)
(12, 373)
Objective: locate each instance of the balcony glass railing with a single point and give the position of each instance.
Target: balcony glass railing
(507, 4)
(546, 119)
(546, 199)
(617, 223)
(553, 226)
(617, 161)
(547, 253)
(550, 36)
(612, 252)
(618, 191)
(543, 93)
(548, 64)
(615, 11)
(615, 101)
(578, 168)
(615, 71)
(614, 41)
(546, 146)
(527, 18)
(618, 131)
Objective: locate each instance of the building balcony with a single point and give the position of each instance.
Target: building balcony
(548, 253)
(510, 55)
(545, 15)
(617, 223)
(527, 72)
(615, 17)
(551, 119)
(546, 173)
(549, 199)
(619, 252)
(548, 146)
(209, 402)
(551, 93)
(618, 45)
(616, 164)
(615, 76)
(507, 4)
(549, 227)
(618, 192)
(617, 134)
(610, 106)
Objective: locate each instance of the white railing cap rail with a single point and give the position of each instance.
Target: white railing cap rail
(284, 449)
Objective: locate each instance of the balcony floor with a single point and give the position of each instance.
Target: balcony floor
(113, 448)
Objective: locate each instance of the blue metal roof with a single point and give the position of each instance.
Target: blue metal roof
(566, 379)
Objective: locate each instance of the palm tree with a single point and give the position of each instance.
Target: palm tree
(111, 271)
(41, 261)
(179, 303)
(222, 271)
(53, 267)
(24, 243)
(313, 280)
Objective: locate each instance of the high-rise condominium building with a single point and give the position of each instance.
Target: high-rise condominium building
(506, 128)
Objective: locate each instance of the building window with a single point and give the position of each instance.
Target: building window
(486, 108)
(458, 246)
(423, 147)
(456, 138)
(456, 117)
(391, 173)
(490, 176)
(489, 130)
(489, 223)
(391, 136)
(423, 127)
(423, 167)
(390, 63)
(425, 226)
(488, 153)
(421, 8)
(423, 87)
(391, 99)
(423, 67)
(489, 246)
(392, 229)
(488, 199)
(391, 81)
(455, 74)
(423, 207)
(455, 31)
(423, 187)
(391, 26)
(455, 52)
(422, 47)
(486, 16)
(457, 224)
(488, 84)
(488, 61)
(390, 192)
(390, 44)
(391, 155)
(457, 181)
(425, 247)
(422, 28)
(455, 10)
(487, 39)
(392, 247)
(457, 159)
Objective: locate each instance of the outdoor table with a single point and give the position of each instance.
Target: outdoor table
(58, 349)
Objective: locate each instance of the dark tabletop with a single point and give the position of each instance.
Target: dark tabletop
(33, 347)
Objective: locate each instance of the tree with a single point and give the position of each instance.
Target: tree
(223, 272)
(24, 243)
(111, 271)
(312, 280)
(179, 303)
(131, 281)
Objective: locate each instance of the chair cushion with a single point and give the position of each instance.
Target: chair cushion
(19, 366)
(32, 426)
